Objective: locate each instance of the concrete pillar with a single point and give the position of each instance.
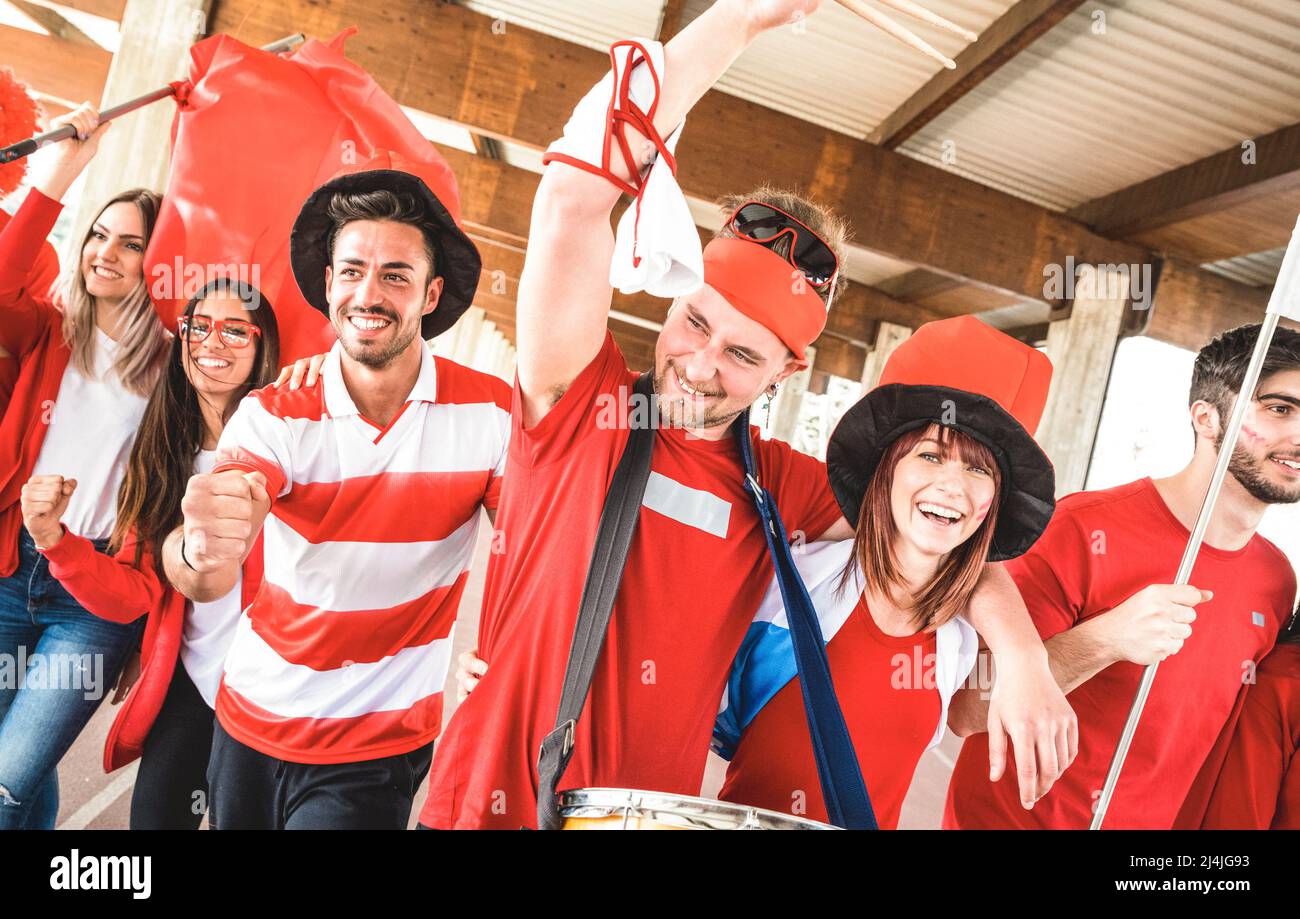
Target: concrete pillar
(445, 344)
(470, 325)
(507, 368)
(483, 346)
(888, 337)
(155, 41)
(786, 406)
(1082, 349)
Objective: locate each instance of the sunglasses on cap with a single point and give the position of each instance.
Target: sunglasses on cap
(766, 225)
(237, 333)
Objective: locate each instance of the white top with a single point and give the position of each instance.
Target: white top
(209, 627)
(92, 428)
(766, 661)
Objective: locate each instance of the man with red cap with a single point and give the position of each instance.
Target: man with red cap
(1097, 585)
(366, 488)
(698, 563)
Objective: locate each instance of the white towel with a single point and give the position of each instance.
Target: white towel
(656, 248)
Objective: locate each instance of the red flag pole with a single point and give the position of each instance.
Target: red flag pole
(32, 144)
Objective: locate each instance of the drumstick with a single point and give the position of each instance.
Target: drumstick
(881, 21)
(919, 12)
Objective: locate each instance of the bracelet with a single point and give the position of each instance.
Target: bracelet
(184, 559)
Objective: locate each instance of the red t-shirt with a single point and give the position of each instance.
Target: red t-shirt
(696, 571)
(887, 691)
(1101, 548)
(1258, 785)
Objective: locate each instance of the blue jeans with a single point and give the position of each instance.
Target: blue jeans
(57, 663)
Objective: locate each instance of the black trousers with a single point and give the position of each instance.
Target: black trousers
(253, 791)
(171, 788)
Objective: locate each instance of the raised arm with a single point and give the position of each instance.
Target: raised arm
(564, 292)
(21, 315)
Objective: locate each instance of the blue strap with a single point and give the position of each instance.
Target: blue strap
(847, 803)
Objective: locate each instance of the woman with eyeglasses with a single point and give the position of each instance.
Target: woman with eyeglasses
(227, 345)
(86, 366)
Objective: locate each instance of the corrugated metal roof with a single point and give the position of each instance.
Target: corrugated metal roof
(1078, 115)
(593, 25)
(838, 71)
(1258, 270)
(832, 69)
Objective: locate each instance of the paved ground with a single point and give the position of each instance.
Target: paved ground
(91, 799)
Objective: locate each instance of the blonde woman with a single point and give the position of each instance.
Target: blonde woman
(85, 373)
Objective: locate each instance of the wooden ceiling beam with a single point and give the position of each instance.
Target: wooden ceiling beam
(105, 9)
(1004, 38)
(65, 70)
(499, 198)
(671, 19)
(52, 21)
(521, 86)
(1229, 179)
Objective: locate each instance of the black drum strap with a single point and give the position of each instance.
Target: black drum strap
(618, 520)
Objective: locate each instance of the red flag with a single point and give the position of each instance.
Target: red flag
(254, 135)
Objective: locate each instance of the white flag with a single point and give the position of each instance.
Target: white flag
(1285, 300)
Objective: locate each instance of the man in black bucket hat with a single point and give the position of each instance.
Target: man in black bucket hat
(332, 693)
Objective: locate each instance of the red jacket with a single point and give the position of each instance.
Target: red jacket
(44, 274)
(114, 589)
(31, 330)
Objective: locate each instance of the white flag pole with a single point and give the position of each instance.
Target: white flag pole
(1285, 301)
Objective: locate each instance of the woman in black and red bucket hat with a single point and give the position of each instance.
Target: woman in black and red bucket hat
(938, 470)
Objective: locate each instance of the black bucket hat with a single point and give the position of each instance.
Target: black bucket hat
(434, 186)
(965, 375)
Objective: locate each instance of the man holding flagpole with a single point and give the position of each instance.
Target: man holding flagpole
(1100, 586)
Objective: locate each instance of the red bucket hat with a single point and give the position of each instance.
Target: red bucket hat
(968, 376)
(433, 185)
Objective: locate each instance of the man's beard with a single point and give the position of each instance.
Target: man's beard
(1248, 469)
(370, 355)
(677, 412)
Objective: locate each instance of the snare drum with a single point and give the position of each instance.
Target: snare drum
(629, 809)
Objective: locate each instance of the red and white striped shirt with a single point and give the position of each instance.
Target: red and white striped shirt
(343, 652)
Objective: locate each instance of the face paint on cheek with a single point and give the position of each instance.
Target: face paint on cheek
(1251, 436)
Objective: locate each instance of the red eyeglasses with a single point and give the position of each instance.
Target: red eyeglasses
(765, 224)
(237, 333)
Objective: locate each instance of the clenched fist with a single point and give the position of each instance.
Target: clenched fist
(219, 511)
(44, 499)
(1153, 623)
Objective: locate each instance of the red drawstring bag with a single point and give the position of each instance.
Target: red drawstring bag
(254, 134)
